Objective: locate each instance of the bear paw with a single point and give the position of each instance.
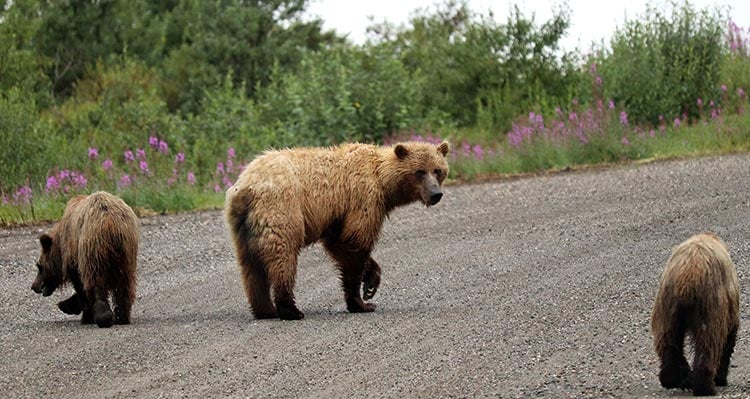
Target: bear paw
(287, 312)
(360, 307)
(70, 306)
(103, 315)
(87, 317)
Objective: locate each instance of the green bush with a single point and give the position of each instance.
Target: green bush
(28, 149)
(661, 65)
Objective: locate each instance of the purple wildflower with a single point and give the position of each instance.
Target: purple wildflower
(217, 188)
(598, 81)
(153, 141)
(230, 152)
(180, 157)
(478, 152)
(229, 166)
(23, 195)
(677, 122)
(140, 154)
(724, 88)
(93, 153)
(227, 182)
(79, 180)
(191, 177)
(163, 147)
(740, 93)
(220, 168)
(624, 118)
(129, 156)
(52, 184)
(625, 141)
(143, 165)
(107, 164)
(699, 102)
(611, 104)
(125, 180)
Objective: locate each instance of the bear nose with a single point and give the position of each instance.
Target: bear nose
(435, 197)
(36, 288)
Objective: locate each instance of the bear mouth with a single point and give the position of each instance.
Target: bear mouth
(47, 290)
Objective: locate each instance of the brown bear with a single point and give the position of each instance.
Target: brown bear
(94, 246)
(288, 199)
(698, 295)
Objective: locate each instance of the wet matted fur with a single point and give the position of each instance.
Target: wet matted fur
(288, 199)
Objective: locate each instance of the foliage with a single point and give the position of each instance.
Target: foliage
(480, 70)
(27, 150)
(660, 64)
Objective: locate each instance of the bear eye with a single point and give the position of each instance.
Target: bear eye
(420, 173)
(438, 172)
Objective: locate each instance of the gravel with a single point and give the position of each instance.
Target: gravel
(535, 287)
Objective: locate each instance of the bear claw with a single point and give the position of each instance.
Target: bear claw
(368, 291)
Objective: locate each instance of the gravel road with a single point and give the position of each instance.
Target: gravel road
(536, 287)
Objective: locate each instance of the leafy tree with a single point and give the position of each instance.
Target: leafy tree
(211, 39)
(472, 63)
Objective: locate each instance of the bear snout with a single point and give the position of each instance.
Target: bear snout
(435, 197)
(36, 288)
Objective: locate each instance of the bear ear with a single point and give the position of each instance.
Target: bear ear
(46, 242)
(401, 151)
(444, 148)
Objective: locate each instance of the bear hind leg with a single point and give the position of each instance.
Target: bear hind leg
(282, 271)
(257, 288)
(99, 307)
(675, 370)
(704, 364)
(123, 297)
(723, 371)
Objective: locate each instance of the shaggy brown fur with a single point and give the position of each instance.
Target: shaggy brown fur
(286, 200)
(698, 295)
(95, 247)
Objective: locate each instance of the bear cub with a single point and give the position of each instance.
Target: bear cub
(94, 247)
(698, 296)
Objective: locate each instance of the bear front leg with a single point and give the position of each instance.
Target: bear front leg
(351, 264)
(86, 307)
(370, 279)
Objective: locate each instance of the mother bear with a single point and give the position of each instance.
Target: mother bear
(288, 199)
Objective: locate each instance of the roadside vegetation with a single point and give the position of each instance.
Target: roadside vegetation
(163, 103)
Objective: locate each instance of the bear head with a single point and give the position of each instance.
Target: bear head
(423, 169)
(49, 274)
